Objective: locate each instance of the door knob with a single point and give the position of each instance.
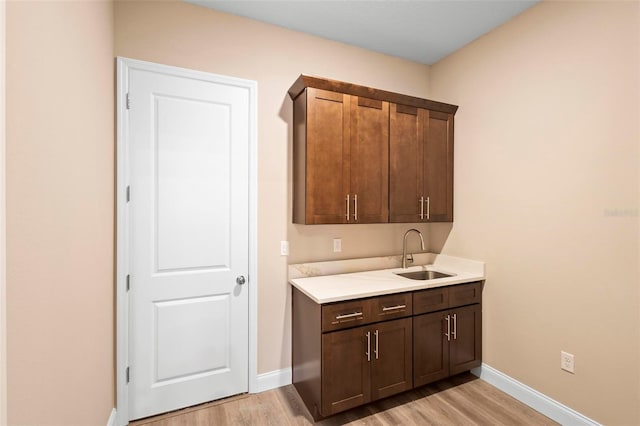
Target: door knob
(240, 280)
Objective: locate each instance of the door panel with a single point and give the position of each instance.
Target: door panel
(202, 347)
(193, 148)
(188, 319)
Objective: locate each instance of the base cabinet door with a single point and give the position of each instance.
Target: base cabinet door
(466, 339)
(364, 364)
(446, 343)
(391, 358)
(430, 348)
(346, 369)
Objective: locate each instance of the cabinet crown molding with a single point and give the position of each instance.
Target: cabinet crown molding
(305, 81)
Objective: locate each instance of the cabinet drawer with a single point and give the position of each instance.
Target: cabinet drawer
(336, 316)
(392, 306)
(465, 294)
(431, 300)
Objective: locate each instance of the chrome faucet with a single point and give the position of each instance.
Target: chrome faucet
(404, 246)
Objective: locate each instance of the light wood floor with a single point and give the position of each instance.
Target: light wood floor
(461, 400)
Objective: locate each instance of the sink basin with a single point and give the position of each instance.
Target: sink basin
(423, 275)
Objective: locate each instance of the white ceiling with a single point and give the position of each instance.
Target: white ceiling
(423, 31)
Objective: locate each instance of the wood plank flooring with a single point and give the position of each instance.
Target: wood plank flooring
(460, 400)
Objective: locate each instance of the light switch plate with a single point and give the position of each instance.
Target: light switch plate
(337, 245)
(284, 248)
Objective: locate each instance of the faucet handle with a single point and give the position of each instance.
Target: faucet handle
(410, 258)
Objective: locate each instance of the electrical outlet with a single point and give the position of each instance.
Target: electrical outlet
(284, 248)
(337, 245)
(567, 362)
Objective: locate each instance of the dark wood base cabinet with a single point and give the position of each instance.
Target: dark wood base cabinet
(347, 354)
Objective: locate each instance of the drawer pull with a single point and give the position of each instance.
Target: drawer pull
(393, 308)
(343, 316)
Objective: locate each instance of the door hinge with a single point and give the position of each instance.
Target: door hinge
(128, 377)
(128, 282)
(128, 193)
(128, 102)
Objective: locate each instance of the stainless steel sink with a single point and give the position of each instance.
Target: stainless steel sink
(423, 275)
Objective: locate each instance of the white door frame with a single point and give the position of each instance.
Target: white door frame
(122, 222)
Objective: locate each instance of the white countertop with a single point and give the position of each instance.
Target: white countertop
(376, 282)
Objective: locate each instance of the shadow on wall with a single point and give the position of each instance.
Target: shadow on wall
(438, 235)
(286, 114)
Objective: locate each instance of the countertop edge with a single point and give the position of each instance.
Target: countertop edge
(336, 287)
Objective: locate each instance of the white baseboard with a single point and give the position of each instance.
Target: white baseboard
(112, 418)
(523, 393)
(531, 397)
(273, 380)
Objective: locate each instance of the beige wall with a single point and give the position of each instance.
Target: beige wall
(184, 35)
(3, 288)
(60, 177)
(546, 191)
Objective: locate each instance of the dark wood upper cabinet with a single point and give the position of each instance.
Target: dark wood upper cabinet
(369, 160)
(421, 165)
(363, 155)
(322, 154)
(341, 156)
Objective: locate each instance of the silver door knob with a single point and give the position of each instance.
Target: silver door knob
(240, 280)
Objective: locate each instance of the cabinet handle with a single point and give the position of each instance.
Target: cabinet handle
(392, 308)
(455, 327)
(421, 208)
(428, 208)
(347, 207)
(376, 351)
(368, 346)
(448, 333)
(355, 207)
(343, 316)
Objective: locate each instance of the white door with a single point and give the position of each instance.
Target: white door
(188, 140)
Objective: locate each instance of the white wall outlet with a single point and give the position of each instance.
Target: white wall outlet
(284, 248)
(337, 245)
(567, 362)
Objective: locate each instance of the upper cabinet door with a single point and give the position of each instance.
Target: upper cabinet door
(405, 163)
(438, 166)
(369, 160)
(421, 165)
(327, 156)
